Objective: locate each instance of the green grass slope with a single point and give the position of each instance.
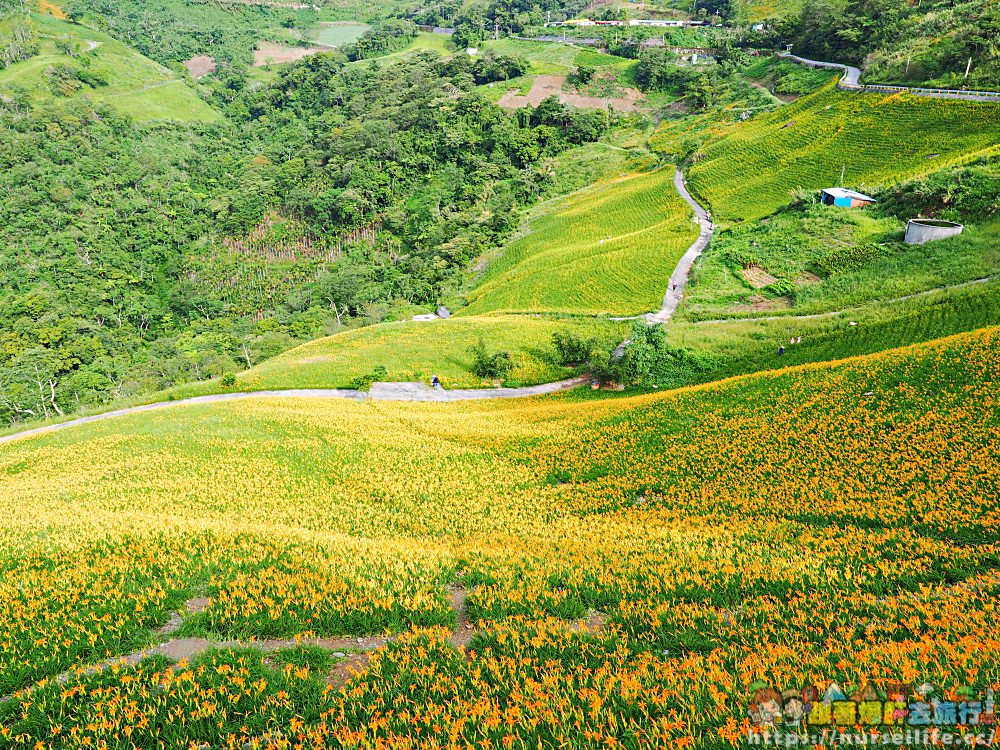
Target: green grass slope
(825, 258)
(748, 170)
(135, 85)
(609, 248)
(418, 350)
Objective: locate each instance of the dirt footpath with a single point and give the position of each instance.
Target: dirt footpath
(552, 85)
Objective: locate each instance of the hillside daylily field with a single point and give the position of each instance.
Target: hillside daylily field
(499, 375)
(633, 569)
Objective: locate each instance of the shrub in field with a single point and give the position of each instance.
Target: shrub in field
(958, 194)
(850, 257)
(779, 288)
(364, 382)
(495, 366)
(571, 350)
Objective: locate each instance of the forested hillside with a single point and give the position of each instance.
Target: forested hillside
(134, 257)
(928, 42)
(176, 30)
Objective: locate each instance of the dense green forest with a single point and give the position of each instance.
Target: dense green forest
(135, 257)
(17, 40)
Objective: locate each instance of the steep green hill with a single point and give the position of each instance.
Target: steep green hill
(609, 248)
(73, 60)
(747, 170)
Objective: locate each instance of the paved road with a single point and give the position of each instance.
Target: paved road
(679, 278)
(379, 392)
(851, 81)
(421, 391)
(852, 75)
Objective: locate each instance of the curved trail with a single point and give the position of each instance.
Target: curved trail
(851, 81)
(679, 278)
(421, 391)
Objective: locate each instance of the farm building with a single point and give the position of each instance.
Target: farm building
(846, 198)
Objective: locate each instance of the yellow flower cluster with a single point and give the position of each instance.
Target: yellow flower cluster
(834, 522)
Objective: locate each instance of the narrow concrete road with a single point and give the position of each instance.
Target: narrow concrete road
(379, 392)
(421, 391)
(851, 81)
(679, 278)
(852, 75)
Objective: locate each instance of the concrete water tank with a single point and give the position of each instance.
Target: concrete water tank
(919, 231)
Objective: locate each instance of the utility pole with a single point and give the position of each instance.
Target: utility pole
(843, 169)
(968, 67)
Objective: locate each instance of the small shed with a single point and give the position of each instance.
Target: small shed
(846, 198)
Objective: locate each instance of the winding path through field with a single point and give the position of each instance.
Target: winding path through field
(679, 278)
(355, 651)
(379, 392)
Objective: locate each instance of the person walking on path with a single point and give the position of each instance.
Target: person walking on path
(435, 383)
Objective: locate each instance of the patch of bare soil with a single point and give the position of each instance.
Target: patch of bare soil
(552, 85)
(593, 624)
(806, 277)
(760, 303)
(346, 669)
(463, 628)
(757, 277)
(200, 66)
(271, 53)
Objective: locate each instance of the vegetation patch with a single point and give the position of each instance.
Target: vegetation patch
(416, 351)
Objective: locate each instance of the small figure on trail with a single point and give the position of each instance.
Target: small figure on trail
(781, 350)
(674, 286)
(435, 383)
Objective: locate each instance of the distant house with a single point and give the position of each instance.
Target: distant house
(846, 198)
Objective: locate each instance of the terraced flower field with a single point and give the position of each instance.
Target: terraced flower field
(747, 171)
(833, 522)
(609, 248)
